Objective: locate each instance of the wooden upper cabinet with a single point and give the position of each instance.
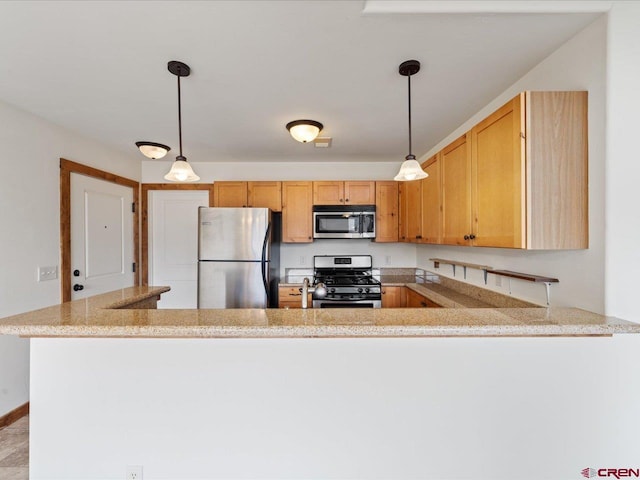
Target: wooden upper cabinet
(498, 169)
(297, 210)
(455, 166)
(431, 202)
(411, 211)
(230, 194)
(387, 211)
(359, 193)
(265, 194)
(328, 193)
(344, 193)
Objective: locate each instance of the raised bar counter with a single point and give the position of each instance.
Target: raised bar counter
(126, 313)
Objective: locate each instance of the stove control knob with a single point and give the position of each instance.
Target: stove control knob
(332, 290)
(367, 290)
(360, 290)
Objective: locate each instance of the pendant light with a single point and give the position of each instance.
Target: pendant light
(410, 169)
(180, 171)
(304, 130)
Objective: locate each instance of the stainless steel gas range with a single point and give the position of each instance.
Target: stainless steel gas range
(348, 280)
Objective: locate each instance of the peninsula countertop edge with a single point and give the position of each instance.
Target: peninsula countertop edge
(107, 315)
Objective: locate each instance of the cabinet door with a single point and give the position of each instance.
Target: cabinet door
(386, 211)
(415, 300)
(498, 172)
(328, 193)
(456, 192)
(359, 193)
(291, 297)
(265, 194)
(431, 202)
(230, 194)
(393, 297)
(410, 206)
(297, 205)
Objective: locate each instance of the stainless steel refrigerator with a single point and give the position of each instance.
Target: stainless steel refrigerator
(238, 257)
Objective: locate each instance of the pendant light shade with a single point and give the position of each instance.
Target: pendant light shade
(180, 171)
(304, 130)
(153, 150)
(410, 169)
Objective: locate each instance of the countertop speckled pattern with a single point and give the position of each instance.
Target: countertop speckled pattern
(103, 316)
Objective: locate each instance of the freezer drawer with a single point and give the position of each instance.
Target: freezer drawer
(231, 285)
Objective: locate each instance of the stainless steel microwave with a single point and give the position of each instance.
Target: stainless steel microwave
(344, 221)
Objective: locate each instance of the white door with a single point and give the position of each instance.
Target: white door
(101, 236)
(173, 244)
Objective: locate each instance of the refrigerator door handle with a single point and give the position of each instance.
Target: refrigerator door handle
(267, 235)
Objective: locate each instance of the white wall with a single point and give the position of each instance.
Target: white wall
(623, 162)
(385, 408)
(29, 237)
(580, 64)
(301, 255)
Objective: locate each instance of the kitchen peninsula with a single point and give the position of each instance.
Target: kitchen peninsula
(131, 312)
(256, 394)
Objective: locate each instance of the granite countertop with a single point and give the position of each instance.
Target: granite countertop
(106, 315)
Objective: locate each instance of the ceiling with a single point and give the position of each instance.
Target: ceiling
(99, 68)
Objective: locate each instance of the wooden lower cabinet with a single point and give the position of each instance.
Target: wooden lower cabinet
(291, 297)
(393, 297)
(415, 300)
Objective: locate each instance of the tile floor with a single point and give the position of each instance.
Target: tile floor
(14, 450)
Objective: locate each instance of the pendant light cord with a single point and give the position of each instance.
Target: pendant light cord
(179, 116)
(409, 82)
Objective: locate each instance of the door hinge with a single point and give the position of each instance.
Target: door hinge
(133, 267)
(133, 207)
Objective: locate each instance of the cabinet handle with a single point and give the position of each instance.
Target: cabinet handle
(347, 200)
(418, 236)
(472, 236)
(466, 237)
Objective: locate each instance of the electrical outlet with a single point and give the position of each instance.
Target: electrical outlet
(387, 260)
(134, 472)
(47, 273)
(302, 260)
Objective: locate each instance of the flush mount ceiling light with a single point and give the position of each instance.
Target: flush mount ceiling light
(304, 130)
(180, 171)
(153, 150)
(410, 169)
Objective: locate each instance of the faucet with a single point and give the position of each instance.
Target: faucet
(320, 291)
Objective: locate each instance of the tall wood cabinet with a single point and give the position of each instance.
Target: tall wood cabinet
(387, 211)
(456, 191)
(410, 200)
(431, 229)
(297, 209)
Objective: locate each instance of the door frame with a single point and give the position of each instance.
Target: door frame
(67, 167)
(144, 211)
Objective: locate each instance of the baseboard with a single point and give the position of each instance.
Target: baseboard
(14, 415)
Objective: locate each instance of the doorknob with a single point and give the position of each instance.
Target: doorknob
(76, 273)
(78, 287)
